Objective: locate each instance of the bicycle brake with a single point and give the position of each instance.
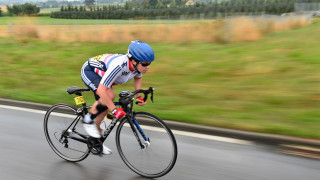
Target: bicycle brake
(151, 96)
(151, 89)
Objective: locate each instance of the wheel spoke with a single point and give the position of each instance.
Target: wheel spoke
(158, 157)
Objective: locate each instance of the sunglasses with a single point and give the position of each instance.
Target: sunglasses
(145, 64)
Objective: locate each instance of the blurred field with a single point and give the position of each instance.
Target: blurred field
(45, 20)
(269, 84)
(49, 10)
(221, 31)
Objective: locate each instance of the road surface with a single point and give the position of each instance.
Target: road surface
(25, 154)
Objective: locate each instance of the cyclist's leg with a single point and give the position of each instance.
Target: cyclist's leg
(101, 116)
(92, 80)
(89, 77)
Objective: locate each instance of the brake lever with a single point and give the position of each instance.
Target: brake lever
(145, 97)
(151, 89)
(151, 96)
(146, 93)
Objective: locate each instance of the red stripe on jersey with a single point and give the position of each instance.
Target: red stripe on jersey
(130, 66)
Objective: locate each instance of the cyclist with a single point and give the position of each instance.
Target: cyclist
(102, 72)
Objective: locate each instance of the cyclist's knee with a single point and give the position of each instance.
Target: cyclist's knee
(101, 108)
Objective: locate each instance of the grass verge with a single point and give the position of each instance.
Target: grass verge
(239, 29)
(271, 85)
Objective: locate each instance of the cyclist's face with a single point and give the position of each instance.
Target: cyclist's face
(143, 67)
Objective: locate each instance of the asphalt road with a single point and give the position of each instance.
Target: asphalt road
(25, 154)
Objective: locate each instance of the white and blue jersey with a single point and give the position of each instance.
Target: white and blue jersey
(109, 70)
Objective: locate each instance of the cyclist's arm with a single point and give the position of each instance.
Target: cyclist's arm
(137, 85)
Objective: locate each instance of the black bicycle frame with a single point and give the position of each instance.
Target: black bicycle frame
(76, 120)
(129, 117)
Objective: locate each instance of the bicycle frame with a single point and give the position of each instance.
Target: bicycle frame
(75, 122)
(129, 117)
(131, 120)
(72, 143)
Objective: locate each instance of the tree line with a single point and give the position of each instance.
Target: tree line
(134, 9)
(166, 9)
(24, 9)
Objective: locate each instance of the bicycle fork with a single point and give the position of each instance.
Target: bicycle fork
(134, 126)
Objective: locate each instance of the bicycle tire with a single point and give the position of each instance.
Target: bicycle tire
(157, 159)
(57, 119)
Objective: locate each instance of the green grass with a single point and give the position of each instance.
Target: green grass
(46, 10)
(270, 86)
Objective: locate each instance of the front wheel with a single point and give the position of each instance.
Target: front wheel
(159, 154)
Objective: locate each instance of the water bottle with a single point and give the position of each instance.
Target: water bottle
(105, 123)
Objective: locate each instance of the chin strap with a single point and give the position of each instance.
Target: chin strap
(135, 67)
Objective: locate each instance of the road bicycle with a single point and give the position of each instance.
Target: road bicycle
(144, 142)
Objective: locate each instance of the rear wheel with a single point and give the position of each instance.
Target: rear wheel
(160, 152)
(61, 124)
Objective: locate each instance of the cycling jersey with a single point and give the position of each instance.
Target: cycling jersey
(109, 69)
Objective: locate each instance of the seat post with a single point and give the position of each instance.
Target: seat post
(78, 93)
(84, 105)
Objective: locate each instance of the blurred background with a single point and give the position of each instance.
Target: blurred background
(229, 65)
(248, 65)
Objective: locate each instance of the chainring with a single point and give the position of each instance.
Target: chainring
(95, 146)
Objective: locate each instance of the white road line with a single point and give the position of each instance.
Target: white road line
(177, 132)
(197, 135)
(22, 109)
(214, 138)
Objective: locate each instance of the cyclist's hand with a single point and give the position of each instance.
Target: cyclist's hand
(140, 101)
(118, 113)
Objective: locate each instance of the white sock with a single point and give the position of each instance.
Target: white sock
(87, 118)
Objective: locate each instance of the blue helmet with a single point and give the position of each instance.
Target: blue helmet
(140, 51)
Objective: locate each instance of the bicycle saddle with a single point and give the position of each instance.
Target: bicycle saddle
(75, 89)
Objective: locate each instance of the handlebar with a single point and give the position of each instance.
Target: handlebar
(126, 97)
